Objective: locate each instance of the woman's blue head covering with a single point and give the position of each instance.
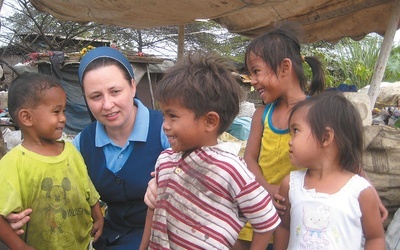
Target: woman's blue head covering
(100, 52)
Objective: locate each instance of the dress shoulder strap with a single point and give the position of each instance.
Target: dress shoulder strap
(266, 109)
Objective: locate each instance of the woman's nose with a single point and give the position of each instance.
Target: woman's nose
(108, 102)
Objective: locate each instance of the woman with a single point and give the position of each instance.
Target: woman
(120, 148)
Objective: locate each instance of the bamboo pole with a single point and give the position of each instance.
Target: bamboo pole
(383, 58)
(181, 41)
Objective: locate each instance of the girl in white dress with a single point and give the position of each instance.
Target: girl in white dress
(331, 206)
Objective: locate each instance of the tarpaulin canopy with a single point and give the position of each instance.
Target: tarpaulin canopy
(327, 20)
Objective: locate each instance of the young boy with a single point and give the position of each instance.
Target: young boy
(46, 174)
(205, 193)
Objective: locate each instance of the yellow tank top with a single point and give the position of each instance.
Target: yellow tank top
(274, 158)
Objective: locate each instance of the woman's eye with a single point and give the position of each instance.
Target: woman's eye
(95, 97)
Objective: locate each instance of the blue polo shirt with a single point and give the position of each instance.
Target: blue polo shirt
(116, 156)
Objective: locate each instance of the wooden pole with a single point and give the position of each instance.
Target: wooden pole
(383, 58)
(150, 86)
(181, 42)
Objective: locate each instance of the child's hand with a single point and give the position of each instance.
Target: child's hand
(277, 201)
(97, 229)
(18, 220)
(384, 212)
(150, 198)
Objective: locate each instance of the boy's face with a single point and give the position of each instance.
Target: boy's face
(48, 118)
(183, 130)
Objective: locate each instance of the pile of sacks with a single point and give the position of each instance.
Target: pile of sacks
(386, 116)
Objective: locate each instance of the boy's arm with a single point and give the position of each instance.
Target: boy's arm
(9, 237)
(98, 221)
(371, 220)
(282, 232)
(383, 211)
(147, 230)
(260, 240)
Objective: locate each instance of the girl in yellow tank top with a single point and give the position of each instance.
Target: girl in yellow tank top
(276, 69)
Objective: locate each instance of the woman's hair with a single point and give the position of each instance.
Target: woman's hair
(203, 83)
(332, 109)
(104, 62)
(27, 91)
(273, 47)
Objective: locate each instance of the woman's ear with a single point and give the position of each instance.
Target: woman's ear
(24, 117)
(211, 121)
(133, 87)
(286, 66)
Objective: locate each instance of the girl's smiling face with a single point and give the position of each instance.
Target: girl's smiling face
(263, 79)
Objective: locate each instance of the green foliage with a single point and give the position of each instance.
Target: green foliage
(210, 36)
(392, 72)
(353, 62)
(356, 60)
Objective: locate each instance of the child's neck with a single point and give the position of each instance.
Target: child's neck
(290, 100)
(328, 181)
(44, 147)
(210, 144)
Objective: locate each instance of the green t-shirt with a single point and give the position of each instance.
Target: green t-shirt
(59, 191)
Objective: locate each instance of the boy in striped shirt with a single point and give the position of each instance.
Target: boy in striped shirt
(205, 193)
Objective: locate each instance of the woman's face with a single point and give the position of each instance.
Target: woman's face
(110, 96)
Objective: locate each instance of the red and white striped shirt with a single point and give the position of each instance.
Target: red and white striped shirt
(205, 199)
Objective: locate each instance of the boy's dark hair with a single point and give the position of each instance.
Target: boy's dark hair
(272, 47)
(203, 82)
(332, 109)
(27, 90)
